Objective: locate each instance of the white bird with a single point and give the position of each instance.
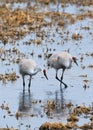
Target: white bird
(61, 60)
(29, 67)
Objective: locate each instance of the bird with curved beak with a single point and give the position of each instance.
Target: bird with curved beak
(61, 60)
(29, 67)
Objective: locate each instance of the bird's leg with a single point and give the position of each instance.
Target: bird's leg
(62, 77)
(29, 83)
(57, 77)
(23, 82)
(60, 80)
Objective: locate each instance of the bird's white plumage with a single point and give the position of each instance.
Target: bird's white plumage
(60, 60)
(27, 66)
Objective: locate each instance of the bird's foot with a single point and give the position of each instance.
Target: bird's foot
(61, 89)
(65, 86)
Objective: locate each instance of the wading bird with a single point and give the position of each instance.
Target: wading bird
(61, 60)
(29, 67)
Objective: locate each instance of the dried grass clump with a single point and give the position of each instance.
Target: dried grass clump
(58, 126)
(8, 129)
(8, 77)
(76, 36)
(81, 110)
(52, 126)
(13, 21)
(72, 118)
(90, 66)
(86, 127)
(45, 1)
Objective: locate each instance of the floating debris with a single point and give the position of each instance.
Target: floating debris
(8, 77)
(69, 105)
(76, 36)
(38, 41)
(84, 75)
(17, 115)
(90, 66)
(61, 23)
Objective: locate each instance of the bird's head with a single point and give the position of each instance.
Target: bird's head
(44, 72)
(75, 60)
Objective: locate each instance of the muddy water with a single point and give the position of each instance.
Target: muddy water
(32, 106)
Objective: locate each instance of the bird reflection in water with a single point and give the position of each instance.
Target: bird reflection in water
(28, 106)
(25, 101)
(56, 107)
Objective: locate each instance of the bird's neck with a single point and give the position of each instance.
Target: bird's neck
(36, 70)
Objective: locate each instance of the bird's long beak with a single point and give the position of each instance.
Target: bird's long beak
(44, 72)
(46, 76)
(76, 62)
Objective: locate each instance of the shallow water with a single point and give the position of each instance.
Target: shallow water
(32, 105)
